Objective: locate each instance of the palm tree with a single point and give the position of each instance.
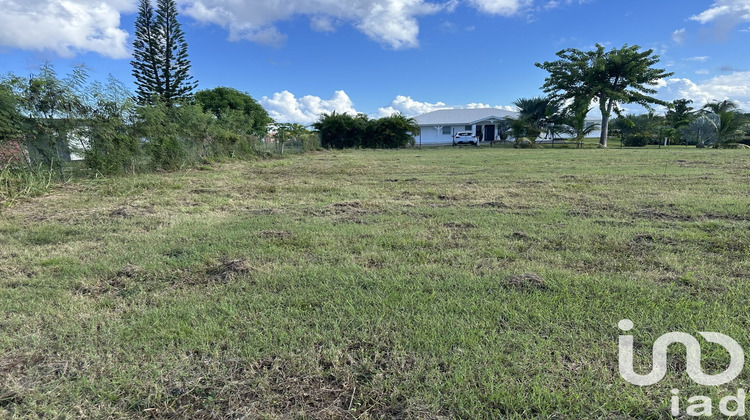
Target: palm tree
(702, 129)
(679, 116)
(732, 125)
(724, 106)
(729, 123)
(575, 124)
(534, 116)
(289, 132)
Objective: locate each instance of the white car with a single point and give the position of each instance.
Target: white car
(465, 137)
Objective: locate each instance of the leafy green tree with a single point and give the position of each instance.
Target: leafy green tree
(237, 110)
(160, 59)
(10, 118)
(624, 75)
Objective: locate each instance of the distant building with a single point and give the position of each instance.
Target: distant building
(438, 127)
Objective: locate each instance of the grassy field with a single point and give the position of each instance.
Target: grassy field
(374, 284)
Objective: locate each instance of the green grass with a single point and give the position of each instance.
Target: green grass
(16, 184)
(373, 284)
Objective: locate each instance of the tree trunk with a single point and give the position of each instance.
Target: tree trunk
(606, 112)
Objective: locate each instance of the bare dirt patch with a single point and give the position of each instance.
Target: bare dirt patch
(527, 280)
(354, 383)
(13, 378)
(520, 235)
(489, 266)
(492, 204)
(459, 225)
(127, 212)
(343, 210)
(276, 234)
(659, 214)
(347, 205)
(229, 270)
(683, 162)
(130, 270)
(263, 212)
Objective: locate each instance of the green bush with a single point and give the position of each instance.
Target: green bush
(390, 132)
(112, 148)
(341, 131)
(167, 153)
(636, 140)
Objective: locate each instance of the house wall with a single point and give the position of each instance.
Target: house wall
(432, 136)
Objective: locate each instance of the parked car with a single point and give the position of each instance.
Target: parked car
(465, 137)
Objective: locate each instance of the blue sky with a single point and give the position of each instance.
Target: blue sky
(303, 57)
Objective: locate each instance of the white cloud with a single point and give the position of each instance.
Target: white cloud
(322, 24)
(501, 7)
(391, 22)
(66, 27)
(725, 14)
(735, 87)
(554, 4)
(69, 27)
(678, 36)
(475, 105)
(285, 107)
(723, 8)
(701, 59)
(702, 71)
(409, 107)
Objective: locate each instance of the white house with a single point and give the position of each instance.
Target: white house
(438, 127)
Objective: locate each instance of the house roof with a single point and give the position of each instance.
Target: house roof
(462, 116)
